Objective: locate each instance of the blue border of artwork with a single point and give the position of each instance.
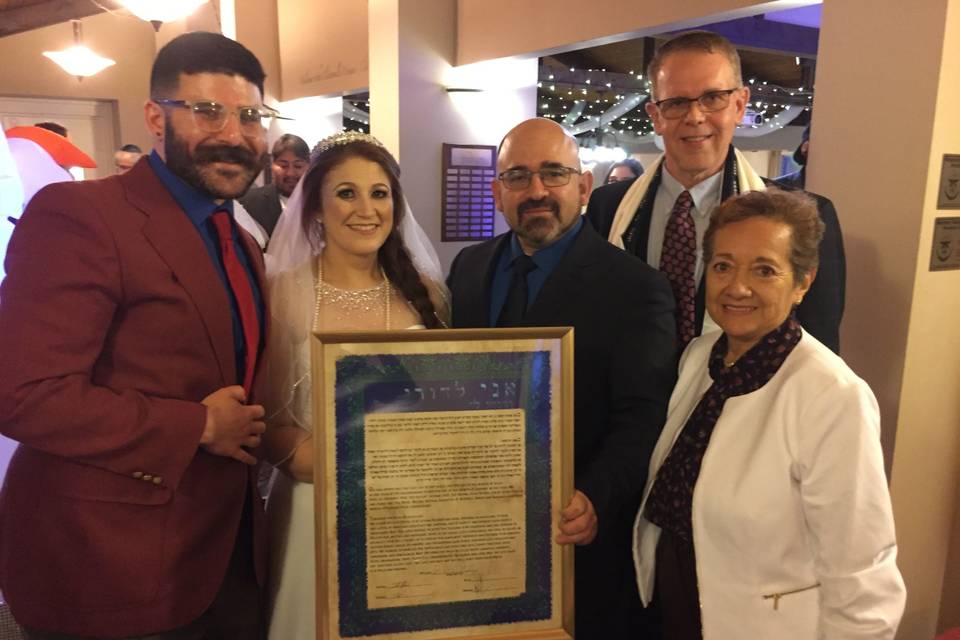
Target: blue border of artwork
(441, 382)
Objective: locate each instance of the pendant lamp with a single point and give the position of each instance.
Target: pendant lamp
(159, 11)
(79, 60)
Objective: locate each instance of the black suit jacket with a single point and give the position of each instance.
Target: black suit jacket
(624, 370)
(263, 204)
(822, 308)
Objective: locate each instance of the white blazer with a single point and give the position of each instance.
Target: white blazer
(792, 523)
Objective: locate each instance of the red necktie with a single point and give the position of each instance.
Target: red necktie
(678, 260)
(242, 292)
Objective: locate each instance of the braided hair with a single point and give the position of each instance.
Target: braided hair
(392, 255)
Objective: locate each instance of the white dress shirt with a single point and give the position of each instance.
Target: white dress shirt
(706, 196)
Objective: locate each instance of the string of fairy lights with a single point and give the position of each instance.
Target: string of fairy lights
(356, 113)
(583, 99)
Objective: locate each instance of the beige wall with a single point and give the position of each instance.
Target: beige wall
(926, 465)
(25, 72)
(323, 48)
(497, 28)
(900, 329)
(881, 218)
(257, 28)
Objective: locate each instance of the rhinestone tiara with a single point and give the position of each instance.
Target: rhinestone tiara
(341, 139)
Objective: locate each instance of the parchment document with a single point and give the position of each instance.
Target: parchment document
(446, 514)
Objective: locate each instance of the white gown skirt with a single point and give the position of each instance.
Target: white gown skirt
(291, 584)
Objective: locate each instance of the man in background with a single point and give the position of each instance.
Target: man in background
(58, 129)
(126, 157)
(798, 179)
(290, 159)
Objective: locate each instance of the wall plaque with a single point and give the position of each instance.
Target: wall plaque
(948, 196)
(468, 208)
(945, 254)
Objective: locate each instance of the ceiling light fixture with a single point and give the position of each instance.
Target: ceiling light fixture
(159, 11)
(79, 60)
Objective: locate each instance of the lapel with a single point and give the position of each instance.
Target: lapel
(476, 276)
(275, 207)
(568, 278)
(178, 244)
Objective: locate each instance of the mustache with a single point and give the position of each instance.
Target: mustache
(526, 205)
(223, 153)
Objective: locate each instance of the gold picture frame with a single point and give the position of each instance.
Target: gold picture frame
(443, 458)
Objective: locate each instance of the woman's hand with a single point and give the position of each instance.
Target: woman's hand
(290, 449)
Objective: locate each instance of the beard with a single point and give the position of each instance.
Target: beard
(197, 171)
(539, 231)
(286, 186)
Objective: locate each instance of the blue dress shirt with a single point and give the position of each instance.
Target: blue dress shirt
(546, 260)
(198, 208)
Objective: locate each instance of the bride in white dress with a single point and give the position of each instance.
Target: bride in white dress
(347, 254)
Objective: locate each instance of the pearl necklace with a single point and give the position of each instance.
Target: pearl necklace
(360, 300)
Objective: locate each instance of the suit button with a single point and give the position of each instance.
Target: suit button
(157, 480)
(147, 477)
(138, 474)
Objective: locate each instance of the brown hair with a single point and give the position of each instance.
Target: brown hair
(703, 41)
(290, 142)
(793, 208)
(393, 256)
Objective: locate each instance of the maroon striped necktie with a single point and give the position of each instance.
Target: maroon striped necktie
(242, 292)
(678, 260)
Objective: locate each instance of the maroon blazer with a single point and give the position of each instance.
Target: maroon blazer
(113, 327)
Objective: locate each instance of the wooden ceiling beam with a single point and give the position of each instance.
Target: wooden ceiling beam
(43, 14)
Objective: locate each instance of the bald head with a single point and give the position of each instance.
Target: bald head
(538, 131)
(539, 214)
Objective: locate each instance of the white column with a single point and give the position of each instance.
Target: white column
(412, 46)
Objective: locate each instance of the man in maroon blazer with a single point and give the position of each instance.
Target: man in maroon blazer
(130, 325)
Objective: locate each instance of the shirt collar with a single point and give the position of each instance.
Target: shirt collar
(196, 205)
(705, 194)
(548, 257)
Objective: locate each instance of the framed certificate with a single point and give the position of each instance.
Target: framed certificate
(443, 458)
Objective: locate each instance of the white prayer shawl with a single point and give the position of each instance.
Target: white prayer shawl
(748, 180)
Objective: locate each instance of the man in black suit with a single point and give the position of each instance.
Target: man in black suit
(290, 159)
(698, 99)
(622, 313)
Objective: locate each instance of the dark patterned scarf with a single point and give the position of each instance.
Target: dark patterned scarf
(670, 503)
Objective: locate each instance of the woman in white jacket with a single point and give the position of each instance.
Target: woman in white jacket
(766, 513)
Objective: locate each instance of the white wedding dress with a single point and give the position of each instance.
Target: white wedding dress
(287, 399)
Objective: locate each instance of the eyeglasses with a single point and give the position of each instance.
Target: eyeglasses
(212, 116)
(673, 108)
(519, 179)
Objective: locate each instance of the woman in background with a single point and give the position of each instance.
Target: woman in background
(624, 170)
